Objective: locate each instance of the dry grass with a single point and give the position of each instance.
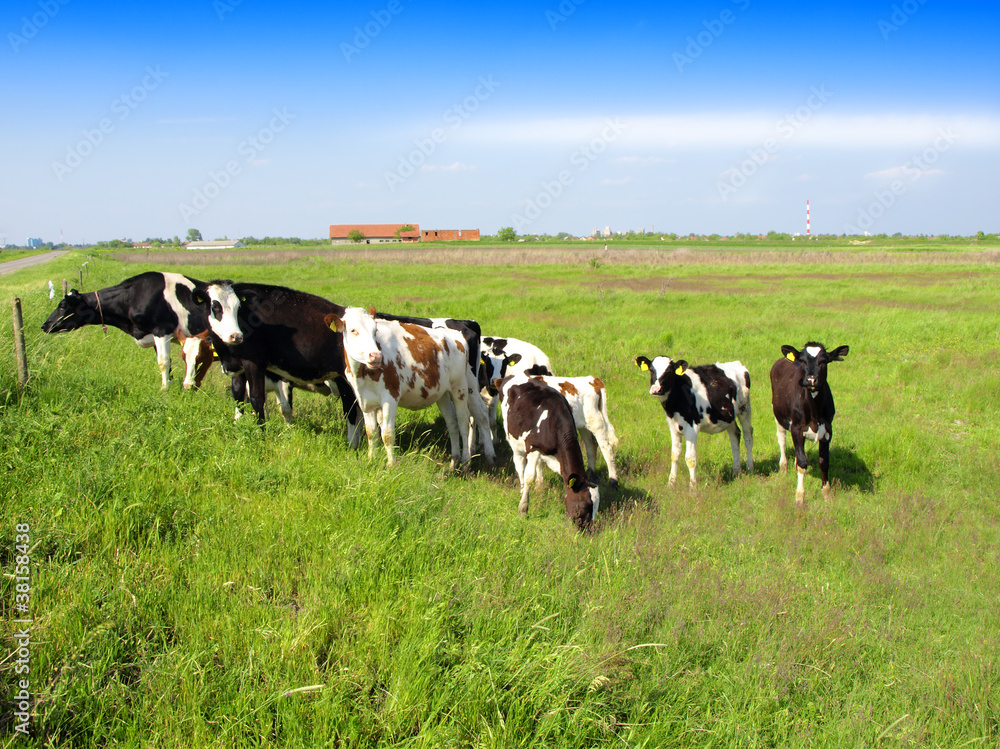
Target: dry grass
(564, 255)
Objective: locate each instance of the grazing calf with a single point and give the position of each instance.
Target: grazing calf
(707, 398)
(150, 307)
(391, 364)
(803, 405)
(540, 429)
(588, 400)
(266, 331)
(503, 356)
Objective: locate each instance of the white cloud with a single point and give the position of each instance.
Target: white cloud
(902, 171)
(456, 167)
(721, 129)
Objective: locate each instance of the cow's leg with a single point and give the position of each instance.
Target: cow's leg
(824, 461)
(590, 444)
(372, 429)
(748, 436)
(801, 464)
(190, 351)
(675, 451)
(530, 469)
(162, 346)
(389, 429)
(457, 417)
(352, 412)
(479, 420)
(599, 428)
(734, 441)
(283, 395)
(691, 454)
(490, 401)
(255, 385)
(238, 387)
(782, 457)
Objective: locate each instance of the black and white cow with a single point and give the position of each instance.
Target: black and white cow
(259, 329)
(708, 398)
(803, 405)
(150, 307)
(501, 357)
(540, 429)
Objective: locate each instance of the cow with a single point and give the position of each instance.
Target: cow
(503, 356)
(540, 429)
(150, 307)
(259, 330)
(391, 364)
(588, 400)
(708, 398)
(803, 405)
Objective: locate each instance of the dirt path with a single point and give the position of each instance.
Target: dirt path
(26, 262)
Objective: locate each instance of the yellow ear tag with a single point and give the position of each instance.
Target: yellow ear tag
(790, 356)
(644, 367)
(679, 371)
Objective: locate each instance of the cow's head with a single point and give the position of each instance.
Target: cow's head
(663, 371)
(812, 361)
(358, 328)
(494, 368)
(73, 312)
(582, 501)
(222, 307)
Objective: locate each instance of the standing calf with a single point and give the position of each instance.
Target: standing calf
(707, 398)
(803, 405)
(540, 427)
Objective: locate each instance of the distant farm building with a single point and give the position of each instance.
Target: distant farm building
(218, 244)
(450, 235)
(374, 233)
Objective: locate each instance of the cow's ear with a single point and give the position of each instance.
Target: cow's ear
(334, 323)
(643, 363)
(576, 482)
(681, 367)
(512, 359)
(73, 292)
(498, 383)
(371, 310)
(199, 297)
(789, 352)
(838, 353)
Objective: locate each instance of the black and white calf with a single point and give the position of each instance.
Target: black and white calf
(540, 429)
(150, 307)
(502, 357)
(708, 398)
(803, 405)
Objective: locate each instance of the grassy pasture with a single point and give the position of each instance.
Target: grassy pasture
(188, 574)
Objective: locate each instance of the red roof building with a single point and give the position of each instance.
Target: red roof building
(374, 233)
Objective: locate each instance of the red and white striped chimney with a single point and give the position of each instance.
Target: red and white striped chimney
(808, 230)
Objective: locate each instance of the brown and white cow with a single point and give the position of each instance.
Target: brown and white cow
(391, 364)
(708, 398)
(588, 400)
(803, 405)
(197, 354)
(541, 429)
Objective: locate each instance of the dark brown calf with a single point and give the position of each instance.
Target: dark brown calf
(803, 405)
(540, 428)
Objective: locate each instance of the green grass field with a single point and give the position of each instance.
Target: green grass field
(195, 582)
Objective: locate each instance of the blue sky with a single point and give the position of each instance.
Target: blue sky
(254, 118)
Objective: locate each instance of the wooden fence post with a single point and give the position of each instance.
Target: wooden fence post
(22, 359)
(65, 287)
(81, 278)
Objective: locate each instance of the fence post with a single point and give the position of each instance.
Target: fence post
(81, 278)
(65, 287)
(22, 359)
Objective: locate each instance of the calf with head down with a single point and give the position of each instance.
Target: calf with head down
(708, 398)
(540, 429)
(803, 405)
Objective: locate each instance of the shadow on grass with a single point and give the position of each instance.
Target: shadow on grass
(846, 467)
